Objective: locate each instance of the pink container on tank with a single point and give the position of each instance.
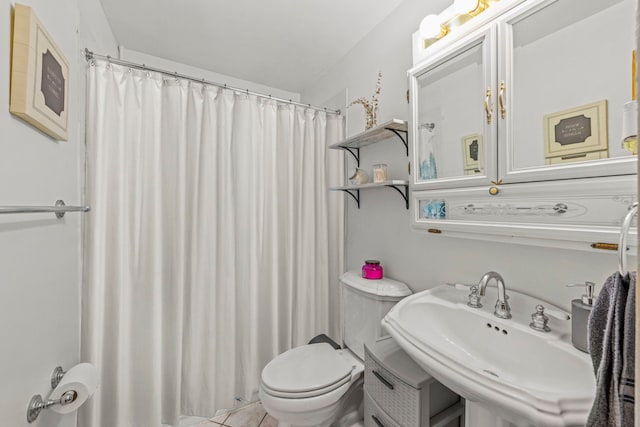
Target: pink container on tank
(372, 269)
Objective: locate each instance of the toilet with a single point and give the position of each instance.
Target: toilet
(317, 385)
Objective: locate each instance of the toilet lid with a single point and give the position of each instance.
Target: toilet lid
(306, 368)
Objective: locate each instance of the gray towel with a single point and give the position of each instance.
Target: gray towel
(612, 346)
(627, 380)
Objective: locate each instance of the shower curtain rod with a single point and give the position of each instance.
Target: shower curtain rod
(89, 55)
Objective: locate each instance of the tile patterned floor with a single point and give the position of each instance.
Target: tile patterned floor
(252, 415)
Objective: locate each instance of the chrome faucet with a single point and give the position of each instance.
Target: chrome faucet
(502, 309)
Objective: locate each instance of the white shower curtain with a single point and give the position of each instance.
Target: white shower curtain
(212, 245)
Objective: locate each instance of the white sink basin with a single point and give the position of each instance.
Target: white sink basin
(527, 377)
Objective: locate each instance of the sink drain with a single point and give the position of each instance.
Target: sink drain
(491, 373)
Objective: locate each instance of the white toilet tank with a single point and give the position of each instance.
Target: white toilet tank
(364, 303)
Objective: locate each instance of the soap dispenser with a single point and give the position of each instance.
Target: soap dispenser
(580, 310)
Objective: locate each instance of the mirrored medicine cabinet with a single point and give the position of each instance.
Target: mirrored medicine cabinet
(517, 125)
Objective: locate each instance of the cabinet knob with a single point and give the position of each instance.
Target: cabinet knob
(494, 190)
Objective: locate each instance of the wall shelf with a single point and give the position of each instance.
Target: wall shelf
(400, 186)
(379, 133)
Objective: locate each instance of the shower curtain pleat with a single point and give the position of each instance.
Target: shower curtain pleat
(212, 246)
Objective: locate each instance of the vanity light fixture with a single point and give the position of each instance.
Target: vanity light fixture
(470, 7)
(434, 27)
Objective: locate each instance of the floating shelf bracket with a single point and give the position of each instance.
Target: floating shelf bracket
(404, 138)
(355, 152)
(374, 135)
(355, 194)
(400, 186)
(404, 194)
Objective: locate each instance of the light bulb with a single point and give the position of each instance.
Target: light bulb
(462, 7)
(430, 27)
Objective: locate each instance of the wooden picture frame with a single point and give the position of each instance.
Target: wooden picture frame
(39, 76)
(571, 134)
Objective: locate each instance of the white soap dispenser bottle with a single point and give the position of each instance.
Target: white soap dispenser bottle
(580, 310)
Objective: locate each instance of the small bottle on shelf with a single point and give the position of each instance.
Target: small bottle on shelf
(379, 172)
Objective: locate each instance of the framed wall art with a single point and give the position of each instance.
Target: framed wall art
(573, 134)
(472, 154)
(39, 76)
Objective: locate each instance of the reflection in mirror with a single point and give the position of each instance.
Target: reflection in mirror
(472, 154)
(451, 117)
(433, 209)
(572, 68)
(428, 168)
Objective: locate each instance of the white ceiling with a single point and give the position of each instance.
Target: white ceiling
(286, 44)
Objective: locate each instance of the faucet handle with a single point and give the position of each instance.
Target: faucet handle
(539, 320)
(474, 298)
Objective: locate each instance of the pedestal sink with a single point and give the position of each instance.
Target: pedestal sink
(525, 376)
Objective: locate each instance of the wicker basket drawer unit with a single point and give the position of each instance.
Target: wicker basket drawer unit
(374, 416)
(400, 393)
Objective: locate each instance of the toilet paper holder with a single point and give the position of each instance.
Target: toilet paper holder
(56, 376)
(37, 404)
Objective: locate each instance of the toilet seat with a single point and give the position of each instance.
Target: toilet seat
(307, 371)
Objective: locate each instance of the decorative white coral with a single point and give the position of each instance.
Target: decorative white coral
(371, 107)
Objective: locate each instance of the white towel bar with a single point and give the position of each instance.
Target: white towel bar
(59, 209)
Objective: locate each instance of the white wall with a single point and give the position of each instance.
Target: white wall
(381, 228)
(40, 261)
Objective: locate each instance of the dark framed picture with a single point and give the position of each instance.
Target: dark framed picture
(39, 76)
(573, 134)
(473, 152)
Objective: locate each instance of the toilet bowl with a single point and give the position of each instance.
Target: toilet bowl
(313, 385)
(317, 385)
